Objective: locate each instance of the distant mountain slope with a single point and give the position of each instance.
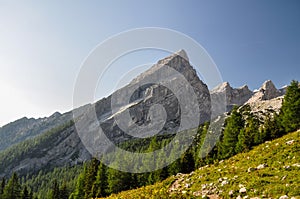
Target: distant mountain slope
(58, 147)
(270, 170)
(25, 128)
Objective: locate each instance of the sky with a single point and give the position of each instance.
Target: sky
(44, 43)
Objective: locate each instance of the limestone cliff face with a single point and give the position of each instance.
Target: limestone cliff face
(233, 96)
(266, 92)
(156, 91)
(267, 97)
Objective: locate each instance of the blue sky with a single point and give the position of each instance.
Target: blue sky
(43, 44)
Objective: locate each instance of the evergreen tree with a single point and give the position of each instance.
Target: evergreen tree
(234, 124)
(2, 186)
(90, 177)
(25, 193)
(99, 188)
(55, 190)
(119, 181)
(241, 144)
(187, 162)
(13, 188)
(79, 190)
(271, 127)
(290, 110)
(63, 192)
(249, 135)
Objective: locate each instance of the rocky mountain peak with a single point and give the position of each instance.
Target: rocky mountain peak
(178, 61)
(234, 96)
(225, 86)
(267, 91)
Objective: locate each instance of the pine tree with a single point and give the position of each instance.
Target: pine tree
(187, 162)
(118, 181)
(290, 110)
(25, 193)
(271, 127)
(55, 190)
(79, 190)
(249, 136)
(2, 186)
(241, 144)
(100, 186)
(90, 177)
(13, 188)
(230, 138)
(63, 191)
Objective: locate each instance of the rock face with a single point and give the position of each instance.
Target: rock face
(267, 97)
(234, 96)
(267, 91)
(168, 72)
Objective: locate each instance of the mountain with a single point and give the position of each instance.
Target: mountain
(24, 128)
(267, 97)
(234, 96)
(270, 170)
(55, 140)
(31, 145)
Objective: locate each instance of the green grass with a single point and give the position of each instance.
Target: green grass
(279, 178)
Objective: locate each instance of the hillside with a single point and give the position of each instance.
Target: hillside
(270, 170)
(25, 129)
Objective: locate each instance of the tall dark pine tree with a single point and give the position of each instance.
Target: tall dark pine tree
(63, 192)
(2, 186)
(25, 193)
(290, 110)
(234, 124)
(13, 188)
(55, 190)
(90, 177)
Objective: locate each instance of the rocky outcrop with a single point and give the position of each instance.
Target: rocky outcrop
(266, 98)
(267, 91)
(234, 96)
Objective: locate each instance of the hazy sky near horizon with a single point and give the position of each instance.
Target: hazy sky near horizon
(43, 43)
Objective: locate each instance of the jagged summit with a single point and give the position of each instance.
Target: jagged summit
(267, 91)
(233, 96)
(221, 87)
(266, 94)
(178, 61)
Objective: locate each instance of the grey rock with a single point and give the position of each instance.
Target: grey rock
(283, 197)
(261, 166)
(234, 96)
